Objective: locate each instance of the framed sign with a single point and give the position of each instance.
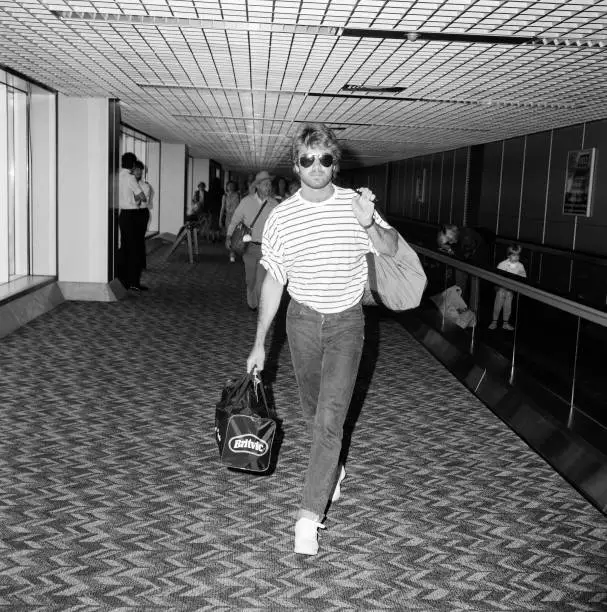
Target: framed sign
(579, 182)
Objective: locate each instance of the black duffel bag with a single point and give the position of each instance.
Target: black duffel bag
(244, 425)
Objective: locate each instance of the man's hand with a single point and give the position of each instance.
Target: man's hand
(256, 359)
(363, 206)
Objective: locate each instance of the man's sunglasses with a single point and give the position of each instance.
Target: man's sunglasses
(326, 160)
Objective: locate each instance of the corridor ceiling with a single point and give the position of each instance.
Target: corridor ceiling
(233, 79)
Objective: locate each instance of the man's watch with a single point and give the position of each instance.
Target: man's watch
(366, 227)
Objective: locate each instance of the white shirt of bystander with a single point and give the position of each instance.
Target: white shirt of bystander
(128, 188)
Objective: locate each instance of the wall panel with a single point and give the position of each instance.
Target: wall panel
(591, 239)
(424, 208)
(459, 186)
(404, 188)
(490, 186)
(401, 186)
(414, 167)
(535, 185)
(434, 188)
(559, 228)
(447, 187)
(376, 182)
(420, 206)
(591, 232)
(394, 191)
(512, 176)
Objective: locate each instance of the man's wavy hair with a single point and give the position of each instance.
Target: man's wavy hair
(316, 135)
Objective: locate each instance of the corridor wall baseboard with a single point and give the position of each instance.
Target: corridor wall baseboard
(93, 292)
(26, 307)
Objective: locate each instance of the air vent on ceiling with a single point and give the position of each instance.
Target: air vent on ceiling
(371, 88)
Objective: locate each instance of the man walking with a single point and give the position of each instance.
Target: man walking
(253, 208)
(317, 241)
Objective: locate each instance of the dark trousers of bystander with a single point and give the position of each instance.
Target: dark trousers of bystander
(143, 228)
(132, 223)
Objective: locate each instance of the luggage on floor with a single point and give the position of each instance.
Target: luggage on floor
(244, 425)
(453, 307)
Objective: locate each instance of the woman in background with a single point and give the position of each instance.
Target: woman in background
(229, 203)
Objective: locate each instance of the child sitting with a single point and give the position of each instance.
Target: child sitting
(503, 297)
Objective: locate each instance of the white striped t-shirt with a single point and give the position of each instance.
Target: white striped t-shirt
(320, 249)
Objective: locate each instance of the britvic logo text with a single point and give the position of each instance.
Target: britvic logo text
(248, 443)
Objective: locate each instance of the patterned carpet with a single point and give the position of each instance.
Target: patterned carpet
(112, 497)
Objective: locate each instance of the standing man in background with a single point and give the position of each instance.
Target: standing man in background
(246, 211)
(131, 197)
(317, 241)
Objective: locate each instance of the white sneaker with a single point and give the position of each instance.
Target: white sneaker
(337, 491)
(232, 259)
(306, 536)
(493, 325)
(507, 326)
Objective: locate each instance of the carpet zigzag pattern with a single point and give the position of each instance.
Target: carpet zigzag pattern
(113, 497)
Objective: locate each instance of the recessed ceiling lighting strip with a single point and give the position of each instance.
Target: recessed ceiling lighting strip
(206, 24)
(489, 103)
(438, 36)
(276, 27)
(259, 90)
(372, 88)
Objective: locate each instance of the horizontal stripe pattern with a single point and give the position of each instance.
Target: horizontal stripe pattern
(319, 249)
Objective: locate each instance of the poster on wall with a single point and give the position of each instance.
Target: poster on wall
(579, 182)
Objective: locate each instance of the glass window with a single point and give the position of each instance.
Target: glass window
(18, 190)
(27, 208)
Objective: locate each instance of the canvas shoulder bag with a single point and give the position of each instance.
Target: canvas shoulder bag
(396, 282)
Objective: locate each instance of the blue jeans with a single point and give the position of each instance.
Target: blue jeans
(326, 351)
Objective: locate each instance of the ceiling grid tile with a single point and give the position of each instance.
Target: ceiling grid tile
(456, 93)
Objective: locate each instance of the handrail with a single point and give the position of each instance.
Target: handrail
(565, 253)
(541, 295)
(531, 246)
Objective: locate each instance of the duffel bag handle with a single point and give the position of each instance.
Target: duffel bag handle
(258, 384)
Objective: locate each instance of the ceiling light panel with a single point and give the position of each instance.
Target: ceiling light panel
(111, 58)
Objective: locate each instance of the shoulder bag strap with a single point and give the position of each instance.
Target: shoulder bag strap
(258, 213)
